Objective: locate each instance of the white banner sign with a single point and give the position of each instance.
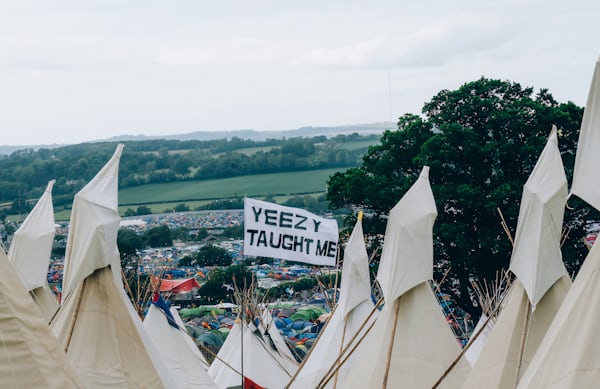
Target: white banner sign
(293, 234)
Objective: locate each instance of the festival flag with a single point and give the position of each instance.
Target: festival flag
(277, 231)
(161, 304)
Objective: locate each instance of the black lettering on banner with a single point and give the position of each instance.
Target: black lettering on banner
(317, 224)
(331, 251)
(287, 246)
(262, 239)
(256, 214)
(275, 246)
(322, 249)
(299, 225)
(308, 242)
(271, 217)
(298, 243)
(252, 232)
(285, 219)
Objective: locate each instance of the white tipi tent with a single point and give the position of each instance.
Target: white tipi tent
(97, 324)
(188, 339)
(259, 364)
(171, 342)
(542, 281)
(410, 344)
(568, 355)
(352, 310)
(586, 174)
(30, 356)
(30, 252)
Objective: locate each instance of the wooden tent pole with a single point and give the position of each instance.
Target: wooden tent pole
(464, 350)
(523, 341)
(333, 368)
(329, 375)
(391, 346)
(305, 359)
(71, 330)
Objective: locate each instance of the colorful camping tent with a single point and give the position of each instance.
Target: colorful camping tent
(179, 286)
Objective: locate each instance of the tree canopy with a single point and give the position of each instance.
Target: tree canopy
(481, 142)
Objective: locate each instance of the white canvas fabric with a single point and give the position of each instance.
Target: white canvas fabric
(30, 356)
(407, 256)
(31, 246)
(30, 252)
(356, 285)
(422, 345)
(172, 345)
(46, 301)
(411, 334)
(586, 174)
(91, 243)
(103, 341)
(568, 355)
(474, 350)
(269, 329)
(353, 309)
(97, 324)
(535, 296)
(498, 362)
(188, 339)
(536, 258)
(259, 364)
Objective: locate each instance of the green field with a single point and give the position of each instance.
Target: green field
(256, 185)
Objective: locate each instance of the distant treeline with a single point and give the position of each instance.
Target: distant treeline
(24, 174)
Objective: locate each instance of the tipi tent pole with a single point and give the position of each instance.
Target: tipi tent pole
(523, 341)
(464, 350)
(80, 297)
(334, 368)
(391, 346)
(341, 348)
(337, 363)
(301, 366)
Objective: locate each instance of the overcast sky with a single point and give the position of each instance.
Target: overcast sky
(73, 70)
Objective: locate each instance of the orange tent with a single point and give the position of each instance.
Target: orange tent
(179, 286)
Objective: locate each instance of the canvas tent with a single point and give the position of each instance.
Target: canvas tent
(97, 325)
(542, 281)
(410, 344)
(179, 286)
(30, 356)
(354, 307)
(30, 252)
(171, 342)
(259, 364)
(568, 355)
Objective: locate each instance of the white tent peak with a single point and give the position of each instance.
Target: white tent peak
(407, 256)
(355, 287)
(31, 246)
(586, 174)
(536, 258)
(91, 244)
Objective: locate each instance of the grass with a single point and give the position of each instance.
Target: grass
(277, 184)
(160, 197)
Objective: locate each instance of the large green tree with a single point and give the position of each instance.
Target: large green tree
(481, 142)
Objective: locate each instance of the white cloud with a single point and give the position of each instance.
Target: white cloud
(72, 70)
